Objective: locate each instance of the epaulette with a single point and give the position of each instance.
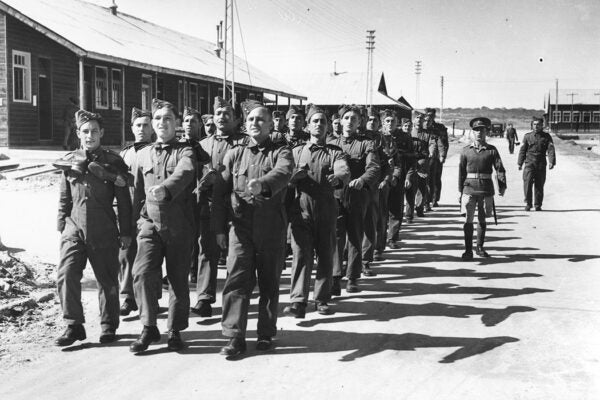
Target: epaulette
(333, 146)
(111, 152)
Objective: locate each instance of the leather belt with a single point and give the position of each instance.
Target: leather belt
(475, 175)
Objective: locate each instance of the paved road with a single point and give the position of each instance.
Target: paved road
(521, 325)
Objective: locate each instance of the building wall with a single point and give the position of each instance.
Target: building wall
(23, 118)
(589, 117)
(3, 84)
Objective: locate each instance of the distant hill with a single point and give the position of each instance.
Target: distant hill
(519, 117)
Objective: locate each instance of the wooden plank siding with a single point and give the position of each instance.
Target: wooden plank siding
(3, 84)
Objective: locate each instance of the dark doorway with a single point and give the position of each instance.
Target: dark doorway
(87, 87)
(45, 99)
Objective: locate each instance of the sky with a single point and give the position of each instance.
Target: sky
(500, 53)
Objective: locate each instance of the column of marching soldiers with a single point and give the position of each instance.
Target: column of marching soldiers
(329, 189)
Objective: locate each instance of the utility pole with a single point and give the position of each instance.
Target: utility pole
(572, 94)
(442, 102)
(370, 47)
(418, 68)
(229, 56)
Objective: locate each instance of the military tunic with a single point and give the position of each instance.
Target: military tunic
(511, 137)
(533, 153)
(364, 165)
(403, 160)
(88, 226)
(313, 218)
(257, 233)
(420, 139)
(165, 229)
(438, 149)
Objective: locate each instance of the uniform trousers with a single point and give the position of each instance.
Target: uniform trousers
(126, 259)
(176, 250)
(435, 179)
(413, 201)
(396, 210)
(371, 226)
(534, 179)
(382, 223)
(313, 233)
(256, 253)
(105, 264)
(208, 258)
(350, 225)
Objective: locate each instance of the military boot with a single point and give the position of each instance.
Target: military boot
(468, 232)
(481, 227)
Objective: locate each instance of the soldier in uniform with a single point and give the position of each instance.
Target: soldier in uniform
(191, 125)
(256, 177)
(141, 127)
(336, 126)
(536, 145)
(320, 169)
(279, 124)
(295, 134)
(208, 124)
(365, 171)
(164, 201)
(475, 184)
(216, 146)
(438, 149)
(402, 162)
(417, 195)
(88, 227)
(512, 138)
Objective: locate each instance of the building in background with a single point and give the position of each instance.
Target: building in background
(576, 110)
(49, 49)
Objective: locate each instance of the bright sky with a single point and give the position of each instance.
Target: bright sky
(503, 53)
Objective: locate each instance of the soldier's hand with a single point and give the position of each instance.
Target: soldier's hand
(159, 192)
(520, 167)
(382, 184)
(120, 181)
(221, 241)
(550, 166)
(125, 242)
(501, 192)
(356, 184)
(407, 184)
(255, 187)
(298, 175)
(333, 180)
(459, 198)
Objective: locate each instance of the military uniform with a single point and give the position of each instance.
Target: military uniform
(438, 149)
(364, 165)
(420, 140)
(313, 218)
(512, 138)
(88, 227)
(534, 148)
(215, 146)
(165, 229)
(257, 233)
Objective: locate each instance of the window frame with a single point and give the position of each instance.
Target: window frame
(566, 116)
(556, 114)
(119, 98)
(98, 105)
(595, 116)
(26, 76)
(149, 85)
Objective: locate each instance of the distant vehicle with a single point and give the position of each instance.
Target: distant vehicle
(497, 129)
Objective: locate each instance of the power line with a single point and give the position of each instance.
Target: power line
(243, 43)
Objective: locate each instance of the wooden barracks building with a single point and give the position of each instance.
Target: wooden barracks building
(50, 49)
(576, 110)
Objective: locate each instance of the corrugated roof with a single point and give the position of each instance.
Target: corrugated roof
(98, 33)
(582, 96)
(338, 88)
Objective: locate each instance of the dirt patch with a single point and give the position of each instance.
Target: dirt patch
(48, 181)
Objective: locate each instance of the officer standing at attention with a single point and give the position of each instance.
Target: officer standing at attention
(256, 177)
(364, 173)
(476, 186)
(164, 200)
(141, 127)
(512, 138)
(320, 169)
(88, 227)
(536, 145)
(216, 146)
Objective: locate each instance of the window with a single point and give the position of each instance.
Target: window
(203, 100)
(21, 76)
(566, 116)
(596, 116)
(160, 88)
(117, 89)
(576, 116)
(146, 92)
(180, 96)
(587, 116)
(193, 96)
(101, 87)
(555, 116)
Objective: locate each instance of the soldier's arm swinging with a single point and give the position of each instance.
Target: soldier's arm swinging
(65, 202)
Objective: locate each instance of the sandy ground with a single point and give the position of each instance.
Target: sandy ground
(520, 325)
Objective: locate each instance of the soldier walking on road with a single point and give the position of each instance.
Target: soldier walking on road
(88, 227)
(536, 145)
(438, 149)
(417, 195)
(256, 177)
(475, 184)
(215, 146)
(512, 138)
(164, 200)
(320, 169)
(141, 127)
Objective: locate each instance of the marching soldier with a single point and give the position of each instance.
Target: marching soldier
(320, 169)
(163, 200)
(295, 134)
(365, 171)
(256, 177)
(216, 146)
(208, 124)
(417, 195)
(141, 127)
(438, 149)
(512, 138)
(535, 147)
(88, 227)
(475, 184)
